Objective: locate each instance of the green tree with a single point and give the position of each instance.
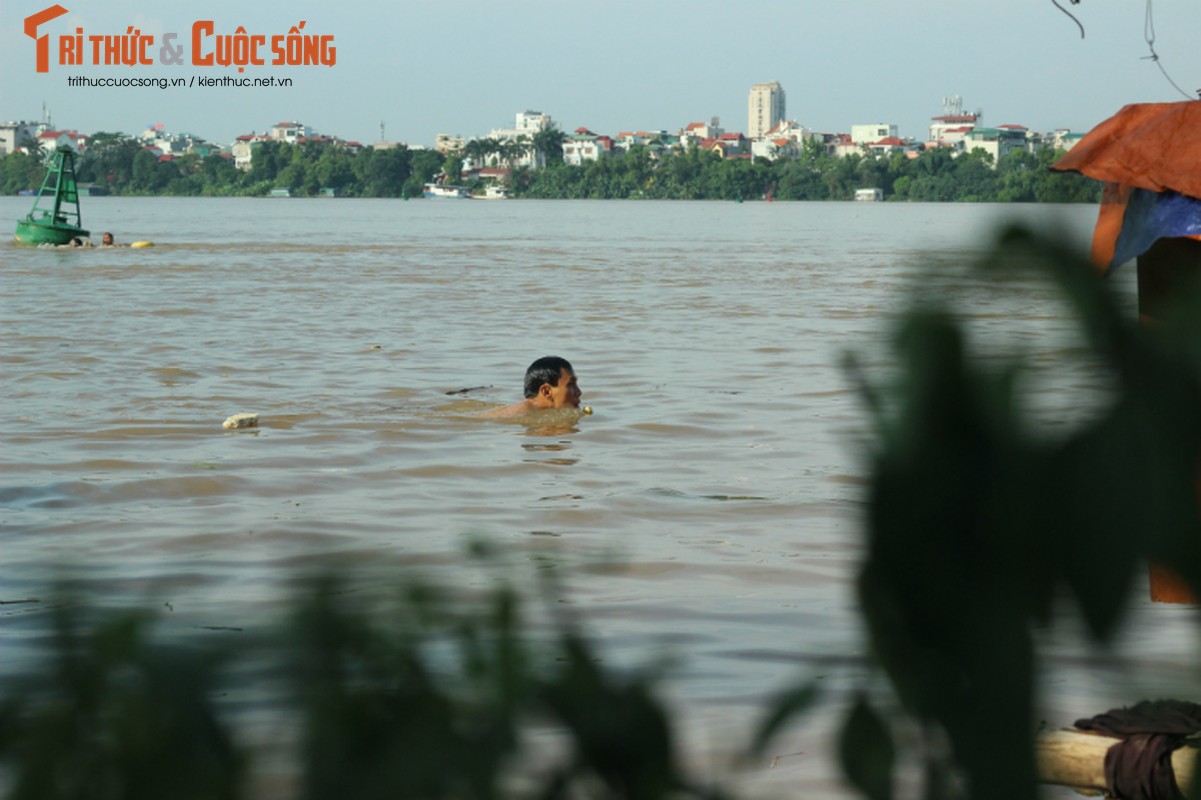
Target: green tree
(1017, 177)
(334, 169)
(20, 171)
(34, 147)
(1063, 187)
(452, 167)
(637, 169)
(425, 165)
(220, 174)
(109, 161)
(267, 159)
(975, 178)
(681, 172)
(476, 151)
(874, 172)
(292, 178)
(800, 181)
(514, 150)
(841, 176)
(548, 146)
(103, 139)
(522, 179)
(148, 174)
(382, 173)
(933, 177)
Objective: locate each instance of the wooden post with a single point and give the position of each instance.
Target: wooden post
(1166, 266)
(1077, 759)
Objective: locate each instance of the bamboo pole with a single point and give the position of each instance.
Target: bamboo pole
(1077, 759)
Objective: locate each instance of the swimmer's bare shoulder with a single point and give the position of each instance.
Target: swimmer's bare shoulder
(518, 409)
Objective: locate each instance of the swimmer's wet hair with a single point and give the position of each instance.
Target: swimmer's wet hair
(547, 369)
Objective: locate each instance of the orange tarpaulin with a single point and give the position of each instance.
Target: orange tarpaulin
(1152, 147)
(1155, 146)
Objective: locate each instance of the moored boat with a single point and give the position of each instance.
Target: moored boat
(59, 221)
(445, 190)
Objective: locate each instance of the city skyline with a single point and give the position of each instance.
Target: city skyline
(953, 117)
(638, 68)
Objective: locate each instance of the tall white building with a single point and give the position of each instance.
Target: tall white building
(765, 109)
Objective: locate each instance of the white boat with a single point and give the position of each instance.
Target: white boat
(494, 192)
(445, 190)
(869, 195)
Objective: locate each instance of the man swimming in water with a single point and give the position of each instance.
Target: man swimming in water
(550, 382)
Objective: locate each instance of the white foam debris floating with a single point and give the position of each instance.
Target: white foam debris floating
(241, 421)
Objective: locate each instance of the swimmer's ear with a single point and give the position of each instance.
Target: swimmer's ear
(545, 390)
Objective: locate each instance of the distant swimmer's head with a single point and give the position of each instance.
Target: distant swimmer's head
(550, 382)
(106, 238)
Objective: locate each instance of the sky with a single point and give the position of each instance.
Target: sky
(468, 67)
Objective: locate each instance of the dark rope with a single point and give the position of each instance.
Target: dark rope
(1149, 35)
(1064, 10)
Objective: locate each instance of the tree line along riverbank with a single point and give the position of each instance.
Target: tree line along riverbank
(120, 165)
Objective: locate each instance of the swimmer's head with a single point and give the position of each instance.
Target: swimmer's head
(106, 238)
(552, 383)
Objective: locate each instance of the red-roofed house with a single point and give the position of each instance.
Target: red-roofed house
(728, 145)
(627, 139)
(243, 149)
(952, 127)
(887, 146)
(785, 139)
(50, 140)
(697, 132)
(844, 146)
(735, 144)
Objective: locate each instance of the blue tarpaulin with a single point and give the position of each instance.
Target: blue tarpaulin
(1154, 215)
